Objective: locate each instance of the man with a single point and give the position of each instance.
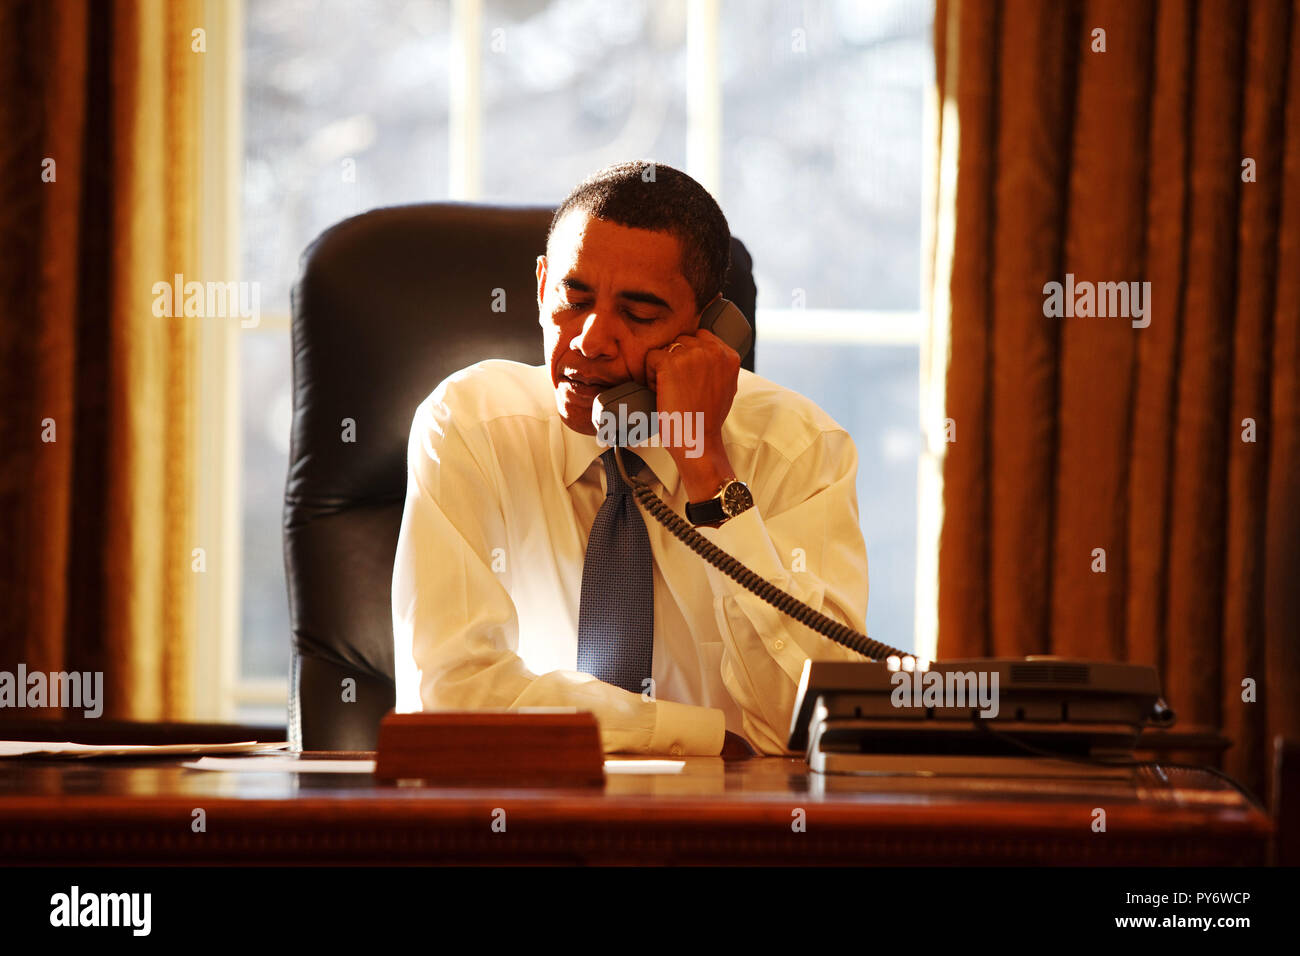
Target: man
(527, 576)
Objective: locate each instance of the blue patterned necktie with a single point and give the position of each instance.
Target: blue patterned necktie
(616, 610)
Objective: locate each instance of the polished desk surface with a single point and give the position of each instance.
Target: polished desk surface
(759, 810)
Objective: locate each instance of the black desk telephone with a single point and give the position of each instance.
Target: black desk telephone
(632, 401)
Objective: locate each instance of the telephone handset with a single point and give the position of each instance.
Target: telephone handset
(728, 323)
(632, 402)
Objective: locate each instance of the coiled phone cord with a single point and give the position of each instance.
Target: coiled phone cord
(787, 603)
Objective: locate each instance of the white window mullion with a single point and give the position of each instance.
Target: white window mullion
(704, 95)
(465, 153)
(839, 326)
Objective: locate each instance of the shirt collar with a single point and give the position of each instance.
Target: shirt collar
(581, 450)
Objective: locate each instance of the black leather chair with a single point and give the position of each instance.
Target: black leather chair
(387, 305)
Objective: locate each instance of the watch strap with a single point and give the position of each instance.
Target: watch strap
(706, 512)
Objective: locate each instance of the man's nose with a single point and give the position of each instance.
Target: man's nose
(597, 337)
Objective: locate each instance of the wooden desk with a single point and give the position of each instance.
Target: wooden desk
(739, 812)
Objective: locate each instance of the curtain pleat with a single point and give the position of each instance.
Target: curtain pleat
(1198, 493)
(1257, 243)
(965, 528)
(1105, 223)
(1034, 145)
(39, 223)
(151, 357)
(1282, 535)
(1151, 451)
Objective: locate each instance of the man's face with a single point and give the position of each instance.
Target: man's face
(606, 295)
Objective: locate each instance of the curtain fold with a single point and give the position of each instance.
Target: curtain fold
(1281, 598)
(1124, 487)
(99, 158)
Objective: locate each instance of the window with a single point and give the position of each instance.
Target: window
(805, 119)
(822, 108)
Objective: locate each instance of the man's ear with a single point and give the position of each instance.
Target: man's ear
(541, 282)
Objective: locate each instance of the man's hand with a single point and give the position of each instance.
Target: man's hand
(696, 372)
(735, 747)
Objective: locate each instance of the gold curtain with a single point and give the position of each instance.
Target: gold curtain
(98, 129)
(1079, 438)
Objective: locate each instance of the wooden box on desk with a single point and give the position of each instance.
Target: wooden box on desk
(492, 748)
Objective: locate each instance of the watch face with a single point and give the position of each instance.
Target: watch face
(736, 498)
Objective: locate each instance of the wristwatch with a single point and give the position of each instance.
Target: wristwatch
(732, 498)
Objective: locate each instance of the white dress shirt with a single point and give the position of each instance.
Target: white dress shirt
(501, 496)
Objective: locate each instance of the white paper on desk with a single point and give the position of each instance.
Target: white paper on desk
(280, 765)
(44, 748)
(293, 765)
(644, 766)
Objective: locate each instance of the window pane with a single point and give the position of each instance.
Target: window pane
(871, 391)
(822, 109)
(345, 109)
(573, 86)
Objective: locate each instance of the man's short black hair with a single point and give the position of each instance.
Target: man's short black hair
(648, 195)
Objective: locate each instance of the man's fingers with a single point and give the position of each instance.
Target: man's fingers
(656, 357)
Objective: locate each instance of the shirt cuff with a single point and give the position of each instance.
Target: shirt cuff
(685, 730)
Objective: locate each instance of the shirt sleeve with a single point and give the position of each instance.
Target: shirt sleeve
(806, 540)
(455, 626)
